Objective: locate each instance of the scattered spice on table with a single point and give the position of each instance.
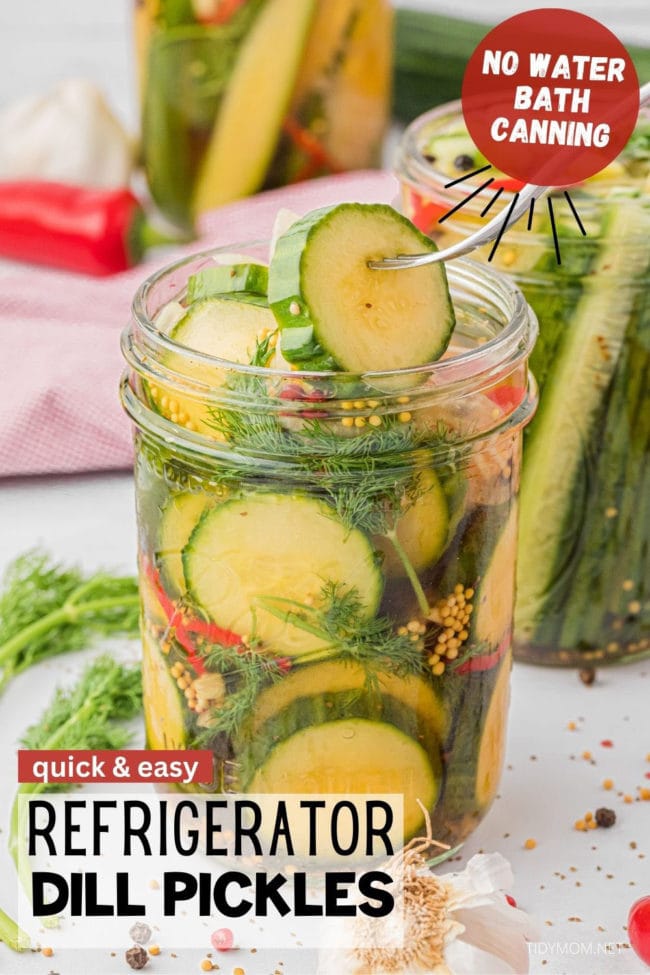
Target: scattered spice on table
(530, 844)
(140, 933)
(644, 793)
(136, 957)
(607, 743)
(605, 817)
(588, 676)
(154, 950)
(47, 952)
(608, 784)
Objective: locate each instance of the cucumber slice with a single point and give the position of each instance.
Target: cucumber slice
(332, 307)
(494, 603)
(284, 546)
(219, 280)
(331, 677)
(178, 520)
(493, 740)
(255, 102)
(422, 530)
(227, 327)
(348, 756)
(565, 434)
(165, 711)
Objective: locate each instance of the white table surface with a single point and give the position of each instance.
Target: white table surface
(579, 885)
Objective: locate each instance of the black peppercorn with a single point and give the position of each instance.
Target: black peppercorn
(605, 817)
(588, 675)
(137, 957)
(463, 162)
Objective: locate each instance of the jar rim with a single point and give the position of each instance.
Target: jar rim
(517, 333)
(411, 166)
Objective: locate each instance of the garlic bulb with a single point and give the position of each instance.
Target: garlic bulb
(450, 924)
(69, 135)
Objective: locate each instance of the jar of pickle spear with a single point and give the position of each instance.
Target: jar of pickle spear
(243, 95)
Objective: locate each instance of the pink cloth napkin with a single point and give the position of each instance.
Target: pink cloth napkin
(59, 337)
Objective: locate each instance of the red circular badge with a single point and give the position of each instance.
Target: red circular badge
(550, 96)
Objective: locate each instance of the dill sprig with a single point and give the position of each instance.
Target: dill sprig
(48, 609)
(247, 671)
(340, 621)
(89, 715)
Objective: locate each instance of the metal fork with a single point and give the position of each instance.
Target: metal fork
(491, 231)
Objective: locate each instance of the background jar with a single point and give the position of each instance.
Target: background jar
(243, 95)
(583, 569)
(370, 526)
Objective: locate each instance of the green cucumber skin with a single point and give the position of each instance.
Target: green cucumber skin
(222, 280)
(285, 290)
(613, 548)
(286, 298)
(472, 694)
(467, 560)
(181, 103)
(551, 540)
(320, 709)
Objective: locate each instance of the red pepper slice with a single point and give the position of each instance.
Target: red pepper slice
(220, 13)
(508, 183)
(183, 626)
(507, 397)
(424, 212)
(485, 661)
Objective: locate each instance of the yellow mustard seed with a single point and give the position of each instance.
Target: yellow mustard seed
(634, 607)
(413, 626)
(347, 421)
(611, 512)
(206, 965)
(374, 421)
(238, 971)
(644, 793)
(154, 950)
(586, 756)
(346, 404)
(372, 404)
(402, 631)
(359, 404)
(588, 817)
(452, 653)
(572, 726)
(433, 660)
(628, 799)
(359, 421)
(404, 417)
(438, 669)
(47, 952)
(628, 585)
(608, 784)
(530, 844)
(403, 399)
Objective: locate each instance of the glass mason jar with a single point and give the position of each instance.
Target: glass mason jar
(583, 586)
(243, 95)
(327, 560)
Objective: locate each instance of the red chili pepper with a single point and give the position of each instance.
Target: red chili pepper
(485, 661)
(307, 142)
(424, 213)
(511, 900)
(222, 11)
(93, 231)
(509, 183)
(508, 397)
